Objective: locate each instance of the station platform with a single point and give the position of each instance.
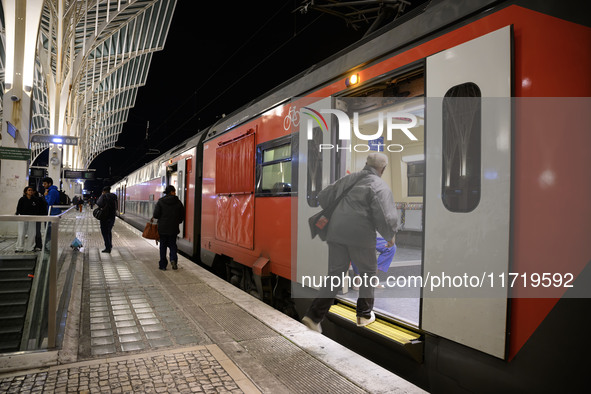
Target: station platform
(130, 327)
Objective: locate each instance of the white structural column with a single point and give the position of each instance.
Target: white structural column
(21, 26)
(72, 68)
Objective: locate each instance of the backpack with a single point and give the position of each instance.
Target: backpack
(64, 198)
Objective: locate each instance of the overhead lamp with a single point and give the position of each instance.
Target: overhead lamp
(352, 80)
(54, 139)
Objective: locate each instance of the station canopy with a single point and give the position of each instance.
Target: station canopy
(92, 57)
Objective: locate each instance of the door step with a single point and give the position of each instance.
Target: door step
(384, 331)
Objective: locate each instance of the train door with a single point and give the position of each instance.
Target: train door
(314, 169)
(468, 189)
(176, 178)
(122, 197)
(387, 116)
(180, 189)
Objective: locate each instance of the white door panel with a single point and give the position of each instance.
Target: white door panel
(473, 242)
(312, 254)
(182, 167)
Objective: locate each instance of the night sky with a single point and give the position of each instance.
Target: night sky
(218, 56)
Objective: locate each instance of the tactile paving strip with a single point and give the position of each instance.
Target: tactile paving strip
(125, 311)
(299, 371)
(202, 294)
(236, 322)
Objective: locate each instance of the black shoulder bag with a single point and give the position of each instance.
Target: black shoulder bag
(104, 212)
(319, 221)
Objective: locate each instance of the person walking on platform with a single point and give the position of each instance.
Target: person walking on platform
(170, 213)
(108, 203)
(367, 207)
(28, 204)
(77, 201)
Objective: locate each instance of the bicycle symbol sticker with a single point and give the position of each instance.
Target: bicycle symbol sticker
(292, 117)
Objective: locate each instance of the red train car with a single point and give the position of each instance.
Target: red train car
(481, 107)
(138, 192)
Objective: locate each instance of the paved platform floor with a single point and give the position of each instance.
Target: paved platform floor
(134, 328)
(189, 370)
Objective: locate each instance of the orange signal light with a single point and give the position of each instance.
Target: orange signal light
(352, 80)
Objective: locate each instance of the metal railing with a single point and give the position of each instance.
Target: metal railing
(43, 298)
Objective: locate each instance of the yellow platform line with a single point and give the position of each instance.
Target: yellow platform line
(384, 328)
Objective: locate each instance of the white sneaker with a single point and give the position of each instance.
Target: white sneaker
(311, 325)
(364, 321)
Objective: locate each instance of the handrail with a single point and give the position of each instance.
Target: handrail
(45, 278)
(37, 297)
(37, 218)
(37, 292)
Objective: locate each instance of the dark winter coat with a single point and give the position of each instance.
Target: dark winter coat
(108, 202)
(31, 206)
(170, 212)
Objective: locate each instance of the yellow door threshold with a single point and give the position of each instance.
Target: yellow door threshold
(398, 337)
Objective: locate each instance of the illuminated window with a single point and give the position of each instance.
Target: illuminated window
(274, 167)
(314, 178)
(415, 173)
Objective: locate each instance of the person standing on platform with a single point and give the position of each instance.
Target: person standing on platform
(52, 195)
(38, 225)
(170, 213)
(108, 203)
(28, 204)
(367, 207)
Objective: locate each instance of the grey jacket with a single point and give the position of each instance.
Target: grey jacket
(367, 207)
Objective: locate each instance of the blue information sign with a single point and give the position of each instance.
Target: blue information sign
(376, 145)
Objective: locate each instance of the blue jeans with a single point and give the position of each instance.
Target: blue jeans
(167, 241)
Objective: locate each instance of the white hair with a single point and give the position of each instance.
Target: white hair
(377, 160)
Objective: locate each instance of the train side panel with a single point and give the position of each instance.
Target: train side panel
(141, 190)
(236, 221)
(549, 161)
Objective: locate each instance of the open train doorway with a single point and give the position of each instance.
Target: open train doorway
(175, 176)
(391, 102)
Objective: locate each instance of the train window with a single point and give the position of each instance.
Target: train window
(314, 167)
(279, 153)
(461, 148)
(415, 173)
(274, 167)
